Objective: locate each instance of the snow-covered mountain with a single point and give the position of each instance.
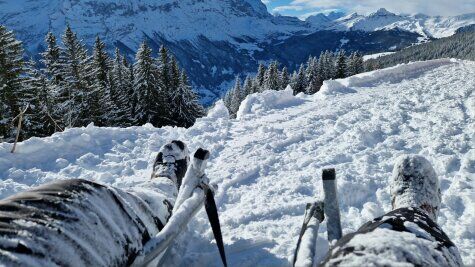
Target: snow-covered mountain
(382, 19)
(267, 163)
(127, 21)
(214, 40)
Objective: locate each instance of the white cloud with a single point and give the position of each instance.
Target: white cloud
(429, 7)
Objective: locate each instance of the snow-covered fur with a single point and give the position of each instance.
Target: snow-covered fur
(403, 237)
(406, 236)
(414, 183)
(81, 223)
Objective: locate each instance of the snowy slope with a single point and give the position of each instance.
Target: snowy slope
(436, 26)
(267, 163)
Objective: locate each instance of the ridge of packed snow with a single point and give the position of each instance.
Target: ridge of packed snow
(267, 163)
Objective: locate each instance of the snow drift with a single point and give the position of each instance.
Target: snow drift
(267, 166)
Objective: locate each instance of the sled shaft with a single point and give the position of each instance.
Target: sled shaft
(332, 209)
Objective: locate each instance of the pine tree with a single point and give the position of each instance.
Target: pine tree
(248, 86)
(11, 66)
(236, 96)
(329, 65)
(51, 59)
(163, 66)
(300, 83)
(321, 72)
(76, 70)
(132, 96)
(149, 106)
(175, 82)
(313, 81)
(175, 76)
(121, 90)
(227, 99)
(260, 77)
(359, 63)
(355, 64)
(102, 110)
(340, 67)
(35, 95)
(272, 81)
(284, 78)
(186, 108)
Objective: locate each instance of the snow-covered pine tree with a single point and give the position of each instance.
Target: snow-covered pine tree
(163, 66)
(355, 64)
(186, 108)
(248, 86)
(272, 79)
(227, 99)
(293, 78)
(340, 68)
(359, 62)
(236, 97)
(149, 106)
(255, 86)
(313, 81)
(50, 58)
(329, 65)
(102, 109)
(175, 82)
(175, 75)
(35, 94)
(260, 77)
(11, 66)
(300, 82)
(284, 78)
(76, 71)
(131, 88)
(120, 90)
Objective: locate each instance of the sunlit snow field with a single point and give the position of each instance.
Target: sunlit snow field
(267, 162)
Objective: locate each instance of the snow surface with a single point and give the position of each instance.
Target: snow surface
(267, 163)
(377, 55)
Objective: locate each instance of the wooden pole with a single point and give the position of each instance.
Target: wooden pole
(20, 120)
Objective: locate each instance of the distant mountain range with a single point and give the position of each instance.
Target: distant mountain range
(214, 40)
(426, 26)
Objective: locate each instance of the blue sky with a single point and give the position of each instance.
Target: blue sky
(303, 8)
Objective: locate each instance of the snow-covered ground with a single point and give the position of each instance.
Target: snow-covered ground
(268, 162)
(378, 55)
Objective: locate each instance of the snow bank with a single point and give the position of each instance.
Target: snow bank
(377, 55)
(393, 75)
(218, 111)
(268, 165)
(263, 102)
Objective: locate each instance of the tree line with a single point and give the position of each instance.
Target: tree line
(308, 78)
(460, 45)
(71, 87)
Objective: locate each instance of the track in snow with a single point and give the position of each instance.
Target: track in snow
(268, 162)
